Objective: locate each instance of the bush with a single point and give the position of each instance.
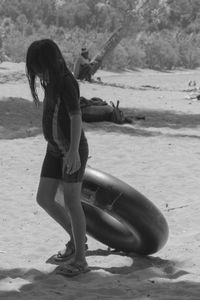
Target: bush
(117, 59)
(14, 46)
(159, 52)
(189, 52)
(136, 54)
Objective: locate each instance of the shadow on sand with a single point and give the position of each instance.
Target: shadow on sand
(146, 278)
(19, 118)
(149, 123)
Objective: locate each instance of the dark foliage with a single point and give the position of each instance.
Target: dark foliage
(163, 34)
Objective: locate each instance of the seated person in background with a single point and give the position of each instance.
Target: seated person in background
(83, 67)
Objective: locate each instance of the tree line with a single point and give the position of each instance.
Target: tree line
(162, 34)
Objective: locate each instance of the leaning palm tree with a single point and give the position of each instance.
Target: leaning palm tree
(111, 43)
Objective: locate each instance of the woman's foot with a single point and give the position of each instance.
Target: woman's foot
(67, 253)
(73, 269)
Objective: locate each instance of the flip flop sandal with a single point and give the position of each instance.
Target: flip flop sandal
(73, 269)
(68, 253)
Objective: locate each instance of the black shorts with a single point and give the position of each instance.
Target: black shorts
(52, 166)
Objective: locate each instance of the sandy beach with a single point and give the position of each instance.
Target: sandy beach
(159, 155)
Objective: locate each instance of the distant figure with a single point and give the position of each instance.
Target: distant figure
(99, 79)
(83, 67)
(192, 84)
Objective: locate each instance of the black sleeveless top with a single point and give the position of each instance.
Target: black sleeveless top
(57, 110)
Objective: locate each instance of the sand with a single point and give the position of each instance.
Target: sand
(158, 156)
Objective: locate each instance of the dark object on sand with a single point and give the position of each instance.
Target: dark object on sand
(98, 110)
(121, 217)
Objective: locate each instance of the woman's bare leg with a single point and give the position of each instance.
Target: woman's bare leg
(72, 196)
(46, 199)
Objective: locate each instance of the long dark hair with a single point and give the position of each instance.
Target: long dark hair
(44, 55)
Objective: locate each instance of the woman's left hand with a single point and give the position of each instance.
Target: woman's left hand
(71, 162)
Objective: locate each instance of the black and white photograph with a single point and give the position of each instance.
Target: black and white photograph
(100, 149)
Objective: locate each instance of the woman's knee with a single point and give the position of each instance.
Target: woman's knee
(72, 196)
(72, 204)
(44, 199)
(46, 192)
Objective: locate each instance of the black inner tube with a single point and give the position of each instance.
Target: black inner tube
(108, 229)
(121, 217)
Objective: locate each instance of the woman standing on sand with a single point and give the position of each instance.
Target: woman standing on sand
(67, 148)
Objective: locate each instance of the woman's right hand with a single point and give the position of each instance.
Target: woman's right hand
(71, 162)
